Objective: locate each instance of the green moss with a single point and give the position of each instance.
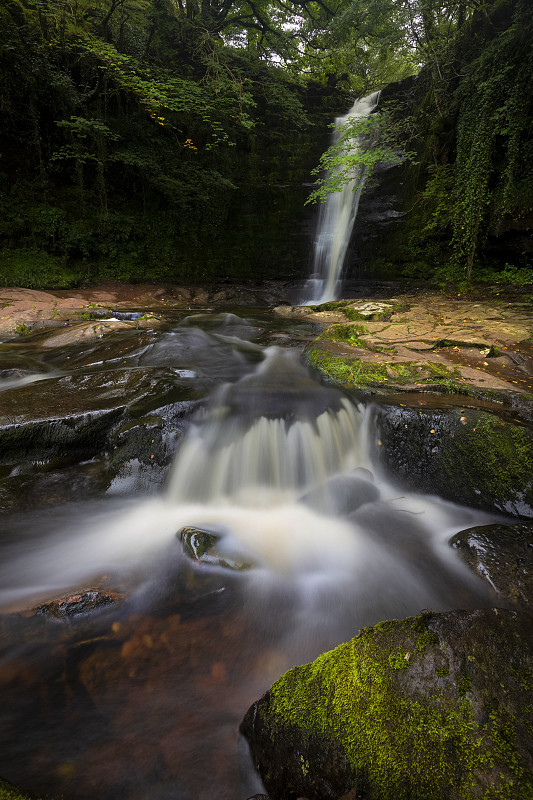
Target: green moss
(10, 792)
(463, 683)
(344, 332)
(348, 371)
(355, 372)
(402, 746)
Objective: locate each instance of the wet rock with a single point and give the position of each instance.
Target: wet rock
(124, 421)
(78, 410)
(85, 332)
(343, 494)
(205, 547)
(80, 603)
(435, 706)
(503, 557)
(465, 455)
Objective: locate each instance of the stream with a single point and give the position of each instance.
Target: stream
(142, 697)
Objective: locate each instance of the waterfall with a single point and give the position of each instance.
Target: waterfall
(268, 438)
(336, 221)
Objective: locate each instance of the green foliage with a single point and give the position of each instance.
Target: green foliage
(474, 119)
(124, 129)
(361, 144)
(35, 269)
(10, 792)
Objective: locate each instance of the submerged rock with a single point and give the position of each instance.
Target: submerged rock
(430, 707)
(503, 556)
(79, 603)
(343, 494)
(204, 547)
(85, 332)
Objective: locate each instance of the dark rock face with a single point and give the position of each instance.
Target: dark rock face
(381, 208)
(503, 556)
(430, 707)
(468, 456)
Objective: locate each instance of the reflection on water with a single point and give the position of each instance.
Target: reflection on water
(143, 699)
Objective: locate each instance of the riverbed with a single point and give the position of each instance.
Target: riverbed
(127, 659)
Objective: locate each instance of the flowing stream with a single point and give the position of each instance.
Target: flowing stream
(336, 221)
(142, 699)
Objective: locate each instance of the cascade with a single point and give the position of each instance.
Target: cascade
(336, 221)
(269, 437)
(280, 470)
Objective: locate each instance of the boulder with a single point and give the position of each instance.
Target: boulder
(502, 555)
(464, 454)
(431, 707)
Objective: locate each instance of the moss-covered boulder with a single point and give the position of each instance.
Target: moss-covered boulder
(436, 707)
(502, 555)
(462, 454)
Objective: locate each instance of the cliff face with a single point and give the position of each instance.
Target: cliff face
(464, 209)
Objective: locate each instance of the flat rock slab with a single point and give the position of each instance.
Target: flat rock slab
(24, 308)
(425, 343)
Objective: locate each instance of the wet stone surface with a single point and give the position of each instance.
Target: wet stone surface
(80, 603)
(205, 548)
(502, 555)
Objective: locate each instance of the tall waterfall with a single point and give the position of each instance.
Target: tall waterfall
(337, 217)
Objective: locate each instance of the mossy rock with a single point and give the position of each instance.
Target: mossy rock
(356, 310)
(383, 376)
(465, 455)
(435, 707)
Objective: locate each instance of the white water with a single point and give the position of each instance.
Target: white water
(279, 467)
(336, 221)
